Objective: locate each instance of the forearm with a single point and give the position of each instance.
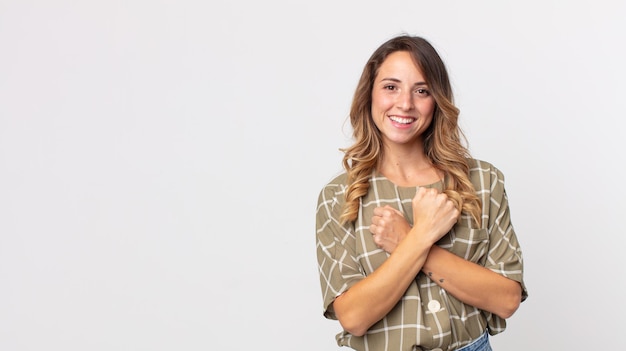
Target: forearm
(372, 298)
(471, 283)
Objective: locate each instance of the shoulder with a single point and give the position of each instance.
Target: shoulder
(483, 174)
(335, 188)
(477, 166)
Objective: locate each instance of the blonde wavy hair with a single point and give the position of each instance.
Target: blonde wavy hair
(444, 141)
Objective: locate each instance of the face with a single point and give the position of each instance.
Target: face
(402, 106)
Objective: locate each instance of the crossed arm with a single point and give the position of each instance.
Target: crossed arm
(469, 282)
(413, 249)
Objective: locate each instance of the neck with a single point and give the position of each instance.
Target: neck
(409, 168)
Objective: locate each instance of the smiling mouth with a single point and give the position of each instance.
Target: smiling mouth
(402, 120)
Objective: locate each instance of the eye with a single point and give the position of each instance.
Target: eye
(422, 91)
(389, 87)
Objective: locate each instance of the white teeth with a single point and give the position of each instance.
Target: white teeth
(401, 120)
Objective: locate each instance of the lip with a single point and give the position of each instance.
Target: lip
(402, 120)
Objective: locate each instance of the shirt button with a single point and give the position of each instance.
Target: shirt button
(437, 349)
(434, 306)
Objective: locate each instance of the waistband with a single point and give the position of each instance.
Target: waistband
(480, 344)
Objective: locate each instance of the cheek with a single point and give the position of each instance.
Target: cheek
(381, 103)
(428, 108)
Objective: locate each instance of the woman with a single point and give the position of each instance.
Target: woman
(415, 246)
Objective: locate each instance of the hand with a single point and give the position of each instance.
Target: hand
(388, 227)
(433, 214)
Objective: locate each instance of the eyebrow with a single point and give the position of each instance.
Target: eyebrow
(396, 80)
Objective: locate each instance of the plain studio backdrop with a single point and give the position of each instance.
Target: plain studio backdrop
(160, 163)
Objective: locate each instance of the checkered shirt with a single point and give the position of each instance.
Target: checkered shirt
(426, 317)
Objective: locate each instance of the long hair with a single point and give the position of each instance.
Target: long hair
(444, 142)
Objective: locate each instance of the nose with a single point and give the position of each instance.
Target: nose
(405, 100)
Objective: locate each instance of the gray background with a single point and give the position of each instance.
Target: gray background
(160, 163)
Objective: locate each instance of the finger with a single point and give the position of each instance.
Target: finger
(388, 208)
(376, 240)
(373, 229)
(398, 212)
(376, 220)
(390, 211)
(378, 211)
(425, 193)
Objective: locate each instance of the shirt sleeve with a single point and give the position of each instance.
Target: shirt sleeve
(337, 264)
(505, 254)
